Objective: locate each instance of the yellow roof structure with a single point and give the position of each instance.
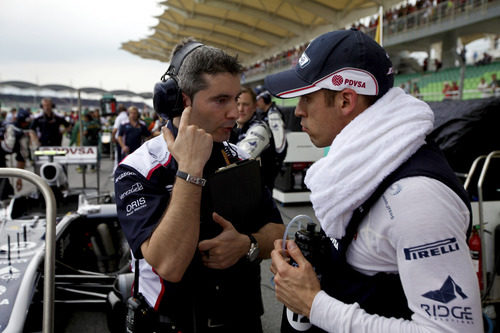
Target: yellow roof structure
(252, 29)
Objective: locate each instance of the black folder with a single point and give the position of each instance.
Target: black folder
(236, 192)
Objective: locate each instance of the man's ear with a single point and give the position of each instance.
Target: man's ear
(186, 100)
(347, 99)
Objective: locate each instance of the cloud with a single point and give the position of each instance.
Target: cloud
(58, 41)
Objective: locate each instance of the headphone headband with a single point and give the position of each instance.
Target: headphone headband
(179, 57)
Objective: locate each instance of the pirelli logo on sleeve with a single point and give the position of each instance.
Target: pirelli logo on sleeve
(429, 250)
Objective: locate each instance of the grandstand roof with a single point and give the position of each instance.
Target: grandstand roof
(253, 30)
(59, 87)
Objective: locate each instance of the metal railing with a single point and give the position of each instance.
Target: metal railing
(480, 201)
(50, 244)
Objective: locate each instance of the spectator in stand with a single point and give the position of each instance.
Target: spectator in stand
(438, 64)
(494, 85)
(486, 59)
(132, 133)
(483, 87)
(415, 91)
(447, 90)
(455, 90)
(47, 125)
(426, 64)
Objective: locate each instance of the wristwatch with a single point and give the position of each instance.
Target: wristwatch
(253, 253)
(191, 179)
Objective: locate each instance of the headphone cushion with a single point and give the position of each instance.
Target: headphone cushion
(167, 99)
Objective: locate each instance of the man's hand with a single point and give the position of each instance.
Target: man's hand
(192, 146)
(226, 249)
(125, 149)
(295, 287)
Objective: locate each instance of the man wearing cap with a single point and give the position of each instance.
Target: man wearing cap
(393, 256)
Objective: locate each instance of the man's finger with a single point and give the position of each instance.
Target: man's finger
(168, 136)
(221, 221)
(205, 245)
(185, 117)
(295, 253)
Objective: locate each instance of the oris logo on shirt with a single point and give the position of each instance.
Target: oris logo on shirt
(136, 205)
(433, 249)
(449, 292)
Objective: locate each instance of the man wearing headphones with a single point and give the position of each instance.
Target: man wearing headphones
(47, 125)
(198, 271)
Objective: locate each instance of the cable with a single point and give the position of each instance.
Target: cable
(295, 219)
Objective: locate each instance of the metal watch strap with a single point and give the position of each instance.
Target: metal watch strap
(191, 179)
(254, 250)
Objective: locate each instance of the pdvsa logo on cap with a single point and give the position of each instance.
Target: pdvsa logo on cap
(337, 80)
(304, 60)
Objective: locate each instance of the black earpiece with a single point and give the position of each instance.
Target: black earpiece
(167, 96)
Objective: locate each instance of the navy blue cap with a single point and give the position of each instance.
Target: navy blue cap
(336, 60)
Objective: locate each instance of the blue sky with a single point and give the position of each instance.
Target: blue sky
(77, 43)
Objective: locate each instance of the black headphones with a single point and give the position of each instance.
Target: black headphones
(167, 96)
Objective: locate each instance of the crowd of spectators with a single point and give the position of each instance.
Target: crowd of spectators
(405, 16)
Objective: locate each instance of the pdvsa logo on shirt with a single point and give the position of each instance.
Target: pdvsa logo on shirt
(448, 292)
(431, 249)
(136, 205)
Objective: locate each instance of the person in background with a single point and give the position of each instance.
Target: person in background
(11, 116)
(254, 136)
(386, 199)
(446, 91)
(483, 88)
(91, 129)
(132, 133)
(455, 90)
(415, 91)
(269, 112)
(121, 118)
(494, 85)
(15, 139)
(48, 125)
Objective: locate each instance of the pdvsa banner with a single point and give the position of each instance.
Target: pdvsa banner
(67, 154)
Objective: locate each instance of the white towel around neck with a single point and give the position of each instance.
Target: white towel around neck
(367, 150)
